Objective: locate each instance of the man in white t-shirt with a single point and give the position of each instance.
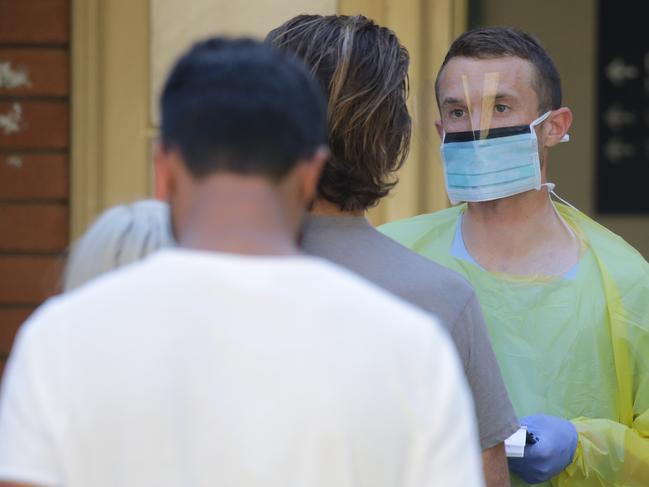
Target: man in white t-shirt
(234, 360)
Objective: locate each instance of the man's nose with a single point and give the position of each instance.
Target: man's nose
(477, 121)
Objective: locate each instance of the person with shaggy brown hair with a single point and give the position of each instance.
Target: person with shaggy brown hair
(363, 69)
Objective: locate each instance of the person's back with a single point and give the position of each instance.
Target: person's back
(119, 236)
(243, 371)
(353, 243)
(233, 359)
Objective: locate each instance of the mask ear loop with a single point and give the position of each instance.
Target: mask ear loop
(551, 187)
(551, 193)
(541, 119)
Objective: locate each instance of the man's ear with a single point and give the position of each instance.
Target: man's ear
(311, 170)
(440, 129)
(163, 172)
(556, 126)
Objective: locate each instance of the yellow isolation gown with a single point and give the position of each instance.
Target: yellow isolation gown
(573, 347)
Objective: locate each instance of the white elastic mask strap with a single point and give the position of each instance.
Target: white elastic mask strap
(551, 187)
(542, 118)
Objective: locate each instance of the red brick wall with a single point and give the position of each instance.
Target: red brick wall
(34, 153)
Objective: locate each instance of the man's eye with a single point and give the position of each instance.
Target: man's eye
(457, 113)
(501, 108)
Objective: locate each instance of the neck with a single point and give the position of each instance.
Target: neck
(521, 235)
(236, 214)
(523, 211)
(325, 208)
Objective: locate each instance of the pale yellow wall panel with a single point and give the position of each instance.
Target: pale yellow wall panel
(445, 20)
(404, 18)
(374, 9)
(125, 89)
(110, 156)
(175, 24)
(85, 181)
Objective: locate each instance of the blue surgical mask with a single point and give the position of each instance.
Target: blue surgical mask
(503, 164)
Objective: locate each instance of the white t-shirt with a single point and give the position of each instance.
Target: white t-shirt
(201, 369)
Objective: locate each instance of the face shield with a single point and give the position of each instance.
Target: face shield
(490, 146)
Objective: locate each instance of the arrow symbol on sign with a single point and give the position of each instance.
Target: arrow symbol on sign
(618, 71)
(617, 117)
(616, 150)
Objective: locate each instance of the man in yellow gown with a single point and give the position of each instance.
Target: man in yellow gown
(566, 301)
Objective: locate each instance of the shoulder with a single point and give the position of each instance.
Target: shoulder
(420, 268)
(614, 254)
(353, 292)
(42, 327)
(409, 230)
(88, 307)
(392, 266)
(441, 287)
(375, 316)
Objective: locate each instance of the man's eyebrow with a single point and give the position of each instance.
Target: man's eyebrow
(452, 101)
(449, 100)
(504, 96)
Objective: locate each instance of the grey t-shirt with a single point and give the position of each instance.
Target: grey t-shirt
(352, 242)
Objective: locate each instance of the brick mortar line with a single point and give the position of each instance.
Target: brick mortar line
(33, 46)
(62, 99)
(27, 151)
(4, 202)
(46, 254)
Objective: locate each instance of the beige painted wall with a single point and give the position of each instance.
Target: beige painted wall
(568, 31)
(175, 24)
(110, 107)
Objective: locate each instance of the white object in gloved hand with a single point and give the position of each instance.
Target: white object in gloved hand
(556, 442)
(515, 444)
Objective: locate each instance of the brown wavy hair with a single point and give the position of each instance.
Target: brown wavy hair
(363, 69)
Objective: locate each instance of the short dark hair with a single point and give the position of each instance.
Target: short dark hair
(364, 71)
(240, 106)
(493, 42)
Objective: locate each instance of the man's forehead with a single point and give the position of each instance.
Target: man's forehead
(509, 74)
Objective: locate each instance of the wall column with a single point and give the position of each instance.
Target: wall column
(111, 139)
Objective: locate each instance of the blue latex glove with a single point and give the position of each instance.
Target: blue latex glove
(553, 451)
